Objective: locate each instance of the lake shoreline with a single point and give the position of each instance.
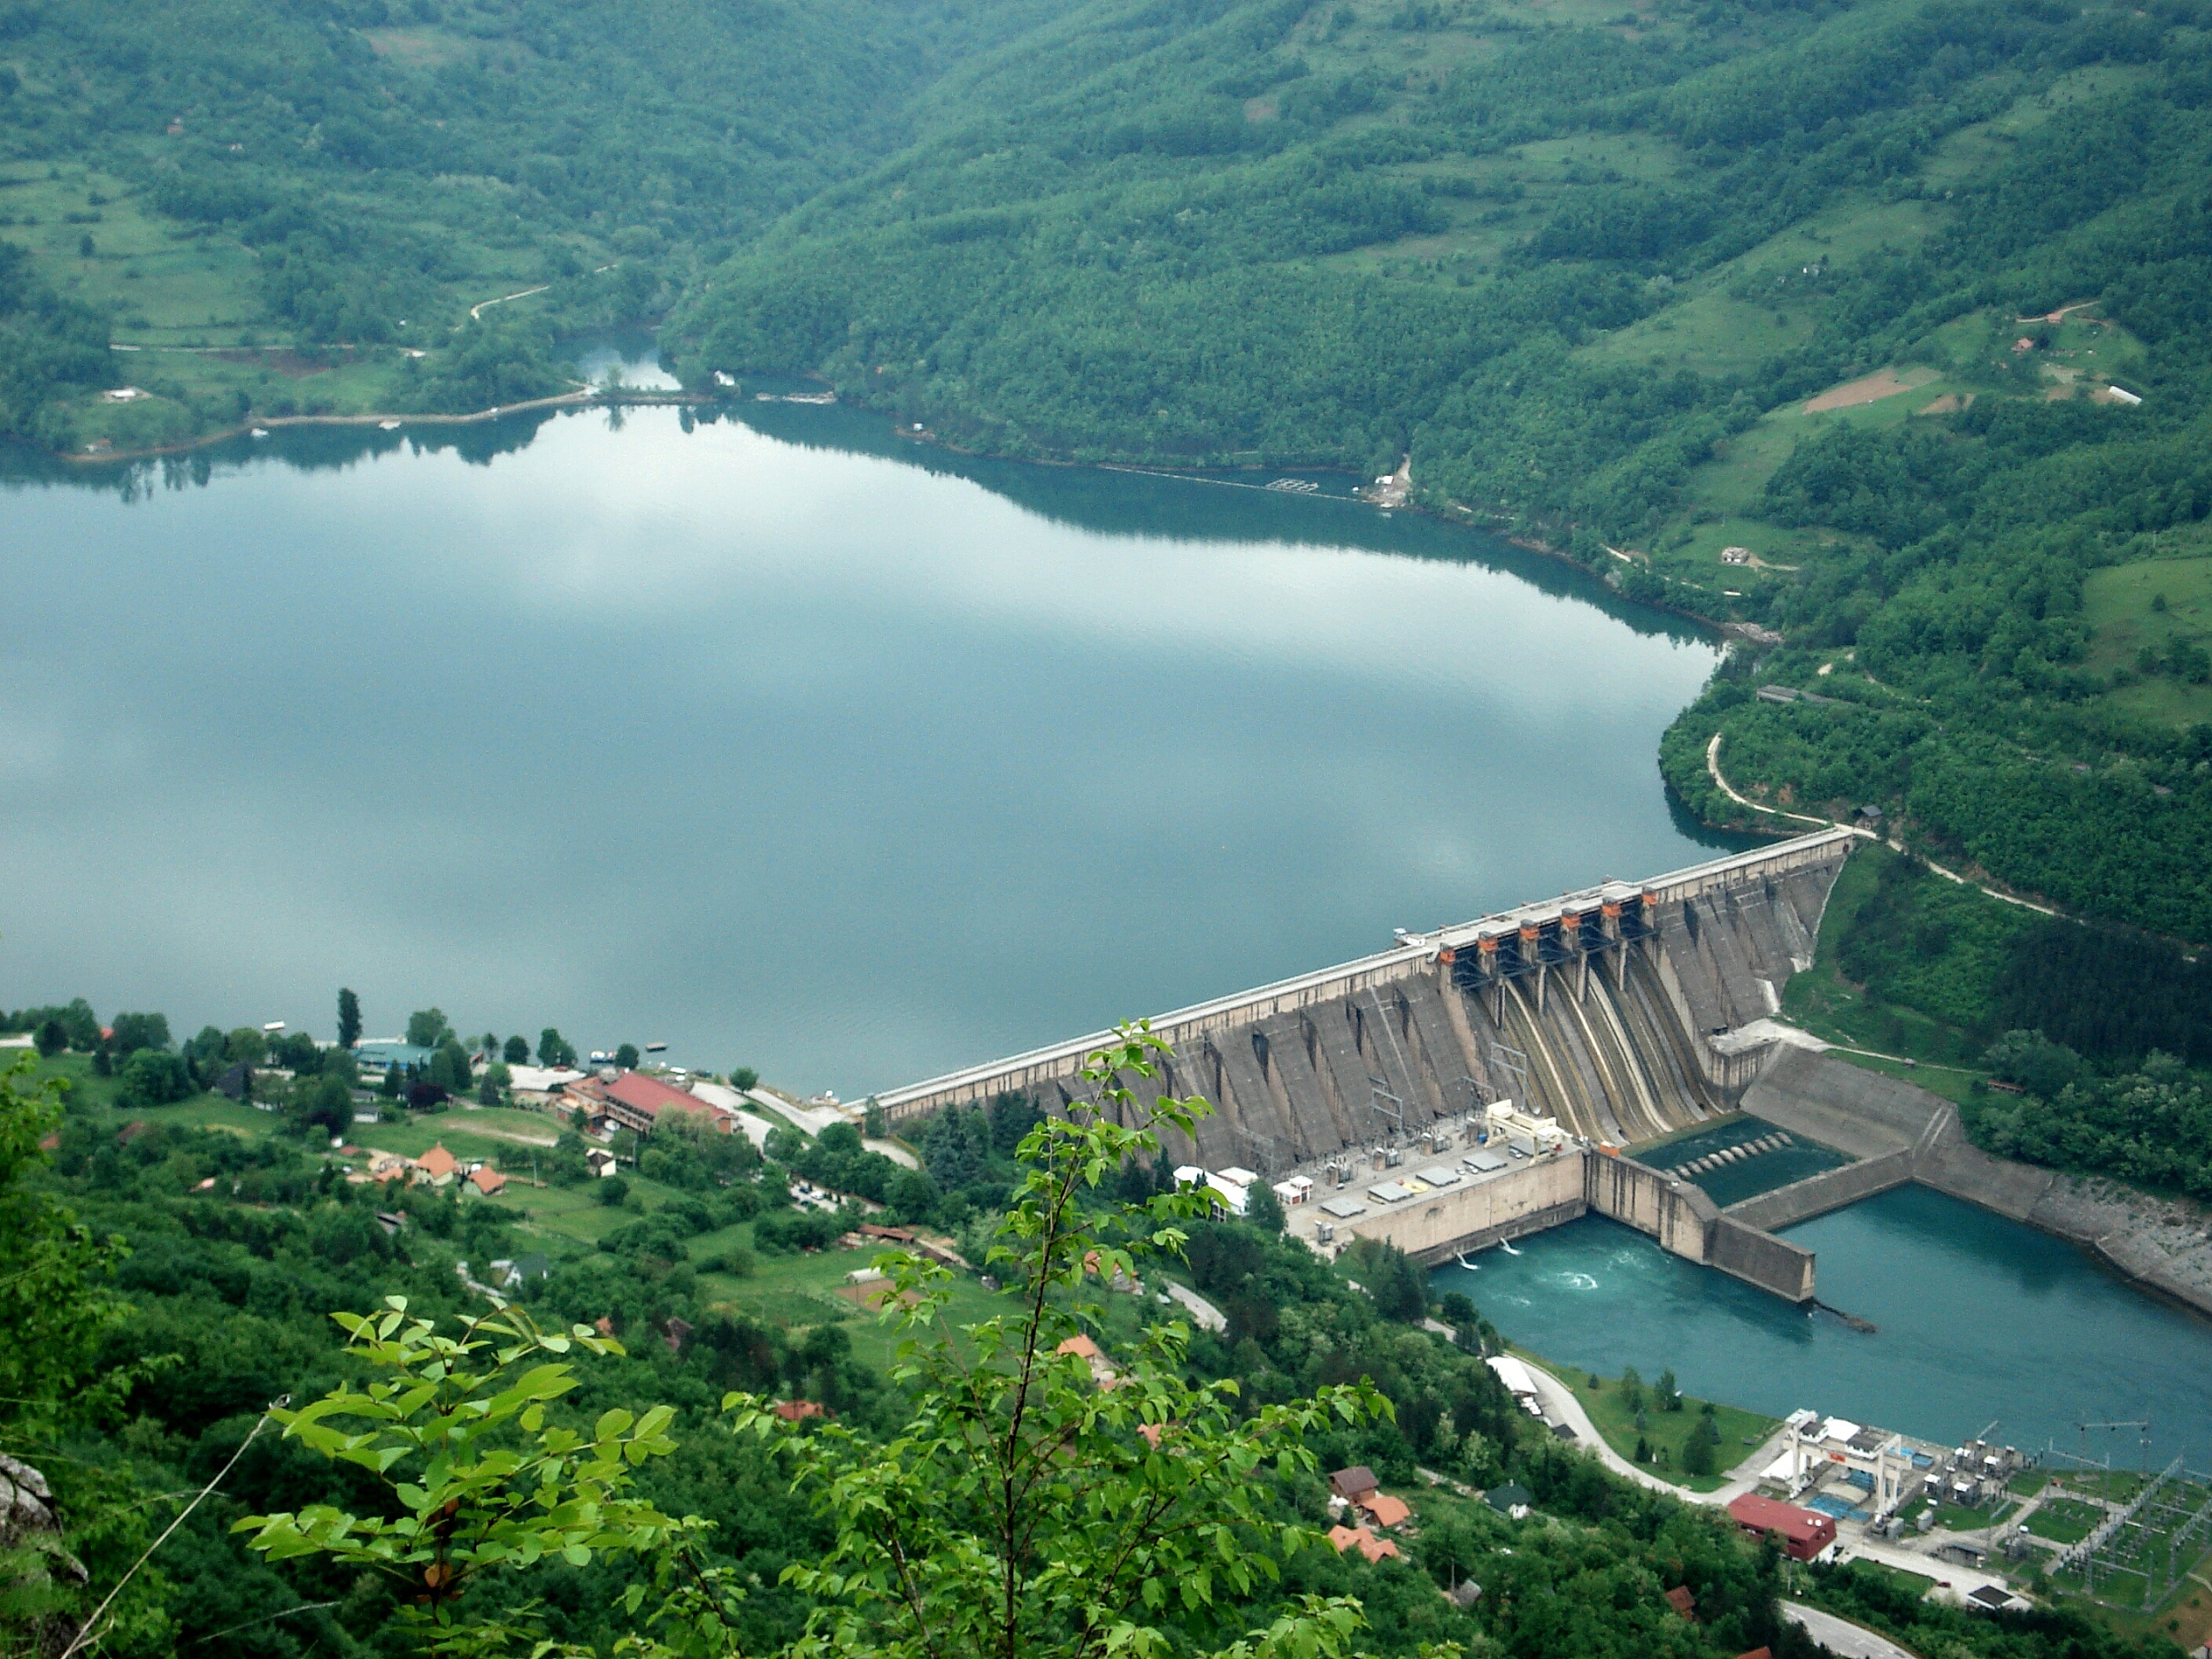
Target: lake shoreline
(588, 398)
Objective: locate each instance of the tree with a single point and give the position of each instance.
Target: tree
(913, 1195)
(2034, 1062)
(57, 1304)
(1633, 1388)
(1398, 1288)
(134, 1032)
(1263, 1208)
(744, 1079)
(50, 1039)
(1669, 1393)
(516, 1051)
(1019, 1513)
(449, 1067)
(455, 1428)
(152, 1077)
(625, 1056)
(554, 1050)
(327, 1105)
(426, 1028)
(1700, 1451)
(348, 1019)
(245, 1046)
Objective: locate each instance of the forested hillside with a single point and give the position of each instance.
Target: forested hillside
(1900, 305)
(174, 1265)
(293, 207)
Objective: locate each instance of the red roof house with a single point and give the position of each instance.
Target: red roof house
(1383, 1509)
(1682, 1602)
(1803, 1534)
(799, 1410)
(636, 1101)
(1360, 1539)
(486, 1181)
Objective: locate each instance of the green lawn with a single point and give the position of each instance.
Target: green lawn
(1823, 1002)
(1740, 1431)
(2065, 1520)
(1959, 1517)
(2120, 605)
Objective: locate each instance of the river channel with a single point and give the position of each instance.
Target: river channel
(775, 738)
(1978, 1319)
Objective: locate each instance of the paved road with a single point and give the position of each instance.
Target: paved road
(1561, 1406)
(1209, 1317)
(1840, 1636)
(894, 1151)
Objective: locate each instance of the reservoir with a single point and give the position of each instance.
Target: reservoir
(776, 739)
(1977, 1317)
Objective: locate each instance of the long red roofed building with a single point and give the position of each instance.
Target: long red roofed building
(1803, 1534)
(636, 1101)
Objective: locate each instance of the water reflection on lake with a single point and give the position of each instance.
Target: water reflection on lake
(777, 739)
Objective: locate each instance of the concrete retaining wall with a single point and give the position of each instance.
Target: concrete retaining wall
(1844, 1106)
(1760, 1258)
(1677, 1213)
(2163, 1244)
(1817, 1194)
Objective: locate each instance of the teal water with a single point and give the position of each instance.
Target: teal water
(1977, 1317)
(776, 739)
(1757, 1172)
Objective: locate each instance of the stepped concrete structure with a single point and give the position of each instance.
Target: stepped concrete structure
(1619, 1010)
(1619, 1013)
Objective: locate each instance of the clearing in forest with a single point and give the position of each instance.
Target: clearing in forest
(1871, 389)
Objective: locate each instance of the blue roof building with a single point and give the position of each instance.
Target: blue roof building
(380, 1053)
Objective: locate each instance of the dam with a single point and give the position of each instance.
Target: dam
(1620, 1013)
(1625, 1011)
(1489, 1080)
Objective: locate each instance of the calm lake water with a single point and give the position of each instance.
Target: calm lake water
(1976, 1317)
(776, 740)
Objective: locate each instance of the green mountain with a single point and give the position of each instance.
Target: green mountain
(1875, 331)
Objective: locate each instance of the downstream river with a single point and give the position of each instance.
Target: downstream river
(1977, 1318)
(776, 739)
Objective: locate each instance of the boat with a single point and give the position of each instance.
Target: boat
(387, 425)
(260, 432)
(1507, 1245)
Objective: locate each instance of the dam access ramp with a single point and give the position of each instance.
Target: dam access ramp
(1623, 1011)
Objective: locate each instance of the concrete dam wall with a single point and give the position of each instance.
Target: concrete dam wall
(1619, 1010)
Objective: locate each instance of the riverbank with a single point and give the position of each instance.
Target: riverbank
(584, 397)
(2162, 1244)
